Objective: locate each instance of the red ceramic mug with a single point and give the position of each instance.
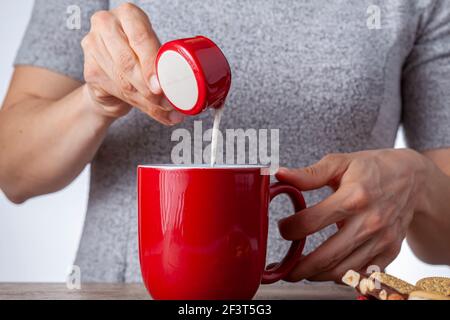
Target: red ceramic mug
(203, 231)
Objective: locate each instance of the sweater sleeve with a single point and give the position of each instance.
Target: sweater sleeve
(426, 82)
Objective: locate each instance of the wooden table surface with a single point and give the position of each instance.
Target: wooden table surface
(57, 291)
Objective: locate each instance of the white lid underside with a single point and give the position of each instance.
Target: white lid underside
(177, 80)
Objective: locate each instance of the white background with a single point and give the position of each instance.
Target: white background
(38, 240)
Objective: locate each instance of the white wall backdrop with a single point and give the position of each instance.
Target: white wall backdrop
(38, 239)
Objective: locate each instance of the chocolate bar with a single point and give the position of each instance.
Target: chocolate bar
(378, 285)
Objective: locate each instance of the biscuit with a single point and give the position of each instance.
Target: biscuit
(439, 285)
(426, 295)
(392, 282)
(378, 285)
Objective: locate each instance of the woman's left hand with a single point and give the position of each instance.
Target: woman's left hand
(376, 196)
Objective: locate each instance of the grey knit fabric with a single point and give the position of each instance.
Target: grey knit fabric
(311, 68)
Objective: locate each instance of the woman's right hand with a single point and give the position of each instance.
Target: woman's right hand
(119, 53)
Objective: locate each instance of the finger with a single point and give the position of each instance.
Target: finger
(163, 114)
(94, 74)
(374, 255)
(101, 61)
(94, 48)
(155, 87)
(165, 117)
(325, 172)
(315, 218)
(382, 260)
(141, 36)
(101, 58)
(165, 105)
(171, 117)
(126, 69)
(357, 260)
(332, 251)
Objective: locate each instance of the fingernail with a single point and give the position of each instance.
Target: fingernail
(282, 170)
(280, 223)
(175, 117)
(154, 85)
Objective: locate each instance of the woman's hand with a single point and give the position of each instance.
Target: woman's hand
(376, 196)
(119, 52)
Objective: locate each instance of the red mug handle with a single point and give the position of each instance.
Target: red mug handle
(278, 271)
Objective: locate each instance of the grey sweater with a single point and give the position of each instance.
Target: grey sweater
(318, 70)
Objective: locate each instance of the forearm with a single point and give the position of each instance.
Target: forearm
(45, 144)
(429, 231)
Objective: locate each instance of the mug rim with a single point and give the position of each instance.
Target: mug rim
(203, 166)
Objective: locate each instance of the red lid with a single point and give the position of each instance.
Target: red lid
(193, 73)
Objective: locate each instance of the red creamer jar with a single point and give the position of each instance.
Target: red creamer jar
(193, 74)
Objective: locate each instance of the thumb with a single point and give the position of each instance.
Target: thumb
(328, 171)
